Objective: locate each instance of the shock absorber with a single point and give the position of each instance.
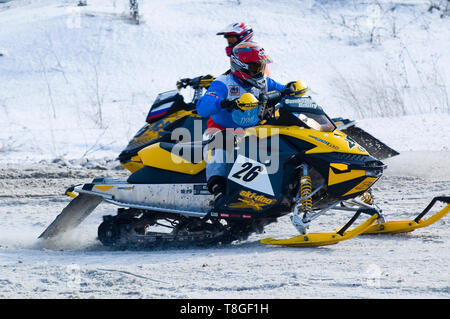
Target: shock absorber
(305, 190)
(303, 205)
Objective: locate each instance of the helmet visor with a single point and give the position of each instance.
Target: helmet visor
(256, 69)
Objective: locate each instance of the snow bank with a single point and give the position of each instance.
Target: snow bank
(427, 165)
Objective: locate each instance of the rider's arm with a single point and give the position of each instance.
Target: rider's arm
(209, 103)
(274, 86)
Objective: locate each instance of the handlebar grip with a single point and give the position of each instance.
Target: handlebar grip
(183, 83)
(270, 97)
(274, 95)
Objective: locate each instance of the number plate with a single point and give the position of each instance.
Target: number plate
(251, 174)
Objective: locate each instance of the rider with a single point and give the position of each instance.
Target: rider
(248, 61)
(236, 33)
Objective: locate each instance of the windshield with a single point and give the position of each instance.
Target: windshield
(309, 113)
(318, 122)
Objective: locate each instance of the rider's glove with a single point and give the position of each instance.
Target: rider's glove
(229, 105)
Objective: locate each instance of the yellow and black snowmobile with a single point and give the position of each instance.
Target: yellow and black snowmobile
(170, 111)
(296, 161)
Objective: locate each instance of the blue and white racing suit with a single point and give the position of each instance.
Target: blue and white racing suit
(227, 87)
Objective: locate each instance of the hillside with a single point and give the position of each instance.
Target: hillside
(78, 81)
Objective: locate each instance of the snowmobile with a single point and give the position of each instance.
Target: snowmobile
(165, 200)
(170, 111)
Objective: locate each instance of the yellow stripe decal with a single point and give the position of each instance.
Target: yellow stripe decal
(339, 166)
(364, 185)
(103, 188)
(343, 177)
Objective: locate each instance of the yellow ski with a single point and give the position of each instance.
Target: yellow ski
(321, 239)
(404, 226)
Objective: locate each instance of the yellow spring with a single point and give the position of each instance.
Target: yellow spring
(367, 198)
(305, 190)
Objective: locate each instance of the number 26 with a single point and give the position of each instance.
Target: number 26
(251, 172)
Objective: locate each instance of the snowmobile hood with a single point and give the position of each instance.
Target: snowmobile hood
(324, 142)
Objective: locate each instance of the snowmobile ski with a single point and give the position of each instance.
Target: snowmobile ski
(404, 226)
(322, 239)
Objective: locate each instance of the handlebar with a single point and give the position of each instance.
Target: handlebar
(272, 97)
(196, 83)
(267, 102)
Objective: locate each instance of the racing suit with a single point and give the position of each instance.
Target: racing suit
(226, 86)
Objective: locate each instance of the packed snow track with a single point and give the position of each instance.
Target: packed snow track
(369, 266)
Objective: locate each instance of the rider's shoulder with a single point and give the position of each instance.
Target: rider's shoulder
(226, 79)
(223, 77)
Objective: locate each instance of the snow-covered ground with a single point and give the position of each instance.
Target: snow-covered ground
(76, 84)
(392, 266)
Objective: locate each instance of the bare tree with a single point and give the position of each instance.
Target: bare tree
(134, 10)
